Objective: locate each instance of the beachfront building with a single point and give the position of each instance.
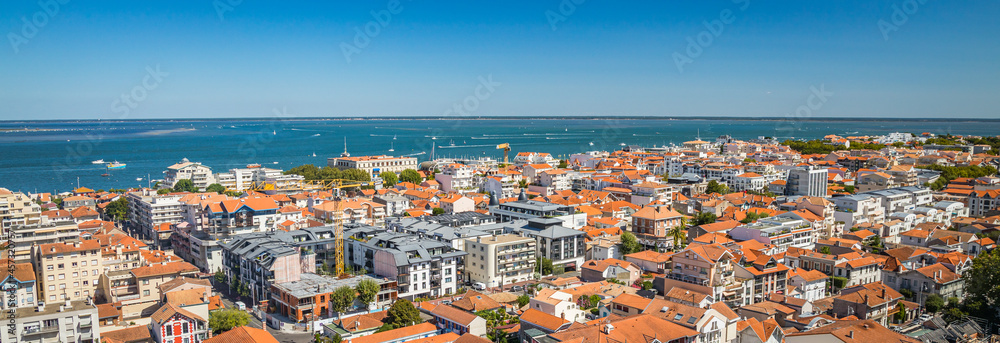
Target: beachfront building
(499, 260)
(200, 175)
(240, 179)
(421, 267)
(373, 165)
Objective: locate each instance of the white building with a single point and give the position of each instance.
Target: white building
(808, 181)
(199, 174)
(456, 178)
(500, 260)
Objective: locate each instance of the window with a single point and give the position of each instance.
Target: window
(84, 273)
(61, 266)
(75, 274)
(145, 282)
(74, 264)
(185, 328)
(93, 262)
(170, 330)
(52, 277)
(145, 292)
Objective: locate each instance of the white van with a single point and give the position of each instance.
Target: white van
(479, 286)
(240, 305)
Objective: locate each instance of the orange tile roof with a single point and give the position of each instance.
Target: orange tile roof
(164, 269)
(243, 334)
(395, 334)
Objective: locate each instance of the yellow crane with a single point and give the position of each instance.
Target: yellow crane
(316, 185)
(506, 150)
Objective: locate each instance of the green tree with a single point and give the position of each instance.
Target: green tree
(411, 176)
(933, 303)
(982, 286)
(224, 320)
(838, 282)
(215, 188)
(118, 209)
(595, 300)
(901, 314)
(716, 187)
(679, 233)
(563, 164)
(341, 299)
(389, 178)
(307, 171)
(402, 314)
(824, 250)
(647, 285)
(522, 300)
(185, 185)
(630, 244)
(545, 266)
(907, 293)
(160, 191)
(220, 277)
(356, 175)
(367, 289)
(704, 218)
(437, 211)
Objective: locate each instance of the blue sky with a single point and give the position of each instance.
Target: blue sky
(602, 58)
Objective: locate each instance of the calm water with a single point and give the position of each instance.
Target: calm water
(52, 155)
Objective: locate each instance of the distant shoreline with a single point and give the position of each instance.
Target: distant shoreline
(396, 118)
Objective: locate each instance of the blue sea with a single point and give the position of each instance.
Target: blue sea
(53, 156)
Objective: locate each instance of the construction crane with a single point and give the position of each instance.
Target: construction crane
(316, 185)
(506, 150)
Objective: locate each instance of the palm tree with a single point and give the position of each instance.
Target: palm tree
(679, 233)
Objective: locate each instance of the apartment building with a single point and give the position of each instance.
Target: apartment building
(199, 174)
(17, 209)
(527, 209)
(137, 289)
(62, 321)
(809, 181)
(874, 301)
(242, 178)
(421, 267)
(499, 260)
(374, 165)
(25, 237)
(147, 210)
(456, 177)
(21, 278)
(67, 271)
(782, 232)
(652, 224)
(705, 268)
(765, 275)
(983, 201)
(859, 271)
(309, 297)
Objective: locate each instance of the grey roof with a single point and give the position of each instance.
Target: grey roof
(311, 284)
(533, 205)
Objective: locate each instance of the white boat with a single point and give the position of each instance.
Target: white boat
(101, 161)
(622, 144)
(392, 147)
(591, 143)
(275, 132)
(434, 138)
(452, 143)
(138, 179)
(314, 154)
(393, 137)
(275, 162)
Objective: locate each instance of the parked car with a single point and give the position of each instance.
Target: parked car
(517, 289)
(240, 305)
(479, 286)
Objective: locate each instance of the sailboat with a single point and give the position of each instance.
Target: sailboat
(314, 154)
(452, 143)
(392, 147)
(393, 137)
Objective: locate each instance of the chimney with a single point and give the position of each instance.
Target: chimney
(607, 329)
(850, 334)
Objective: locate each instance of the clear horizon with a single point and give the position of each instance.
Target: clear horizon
(907, 59)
